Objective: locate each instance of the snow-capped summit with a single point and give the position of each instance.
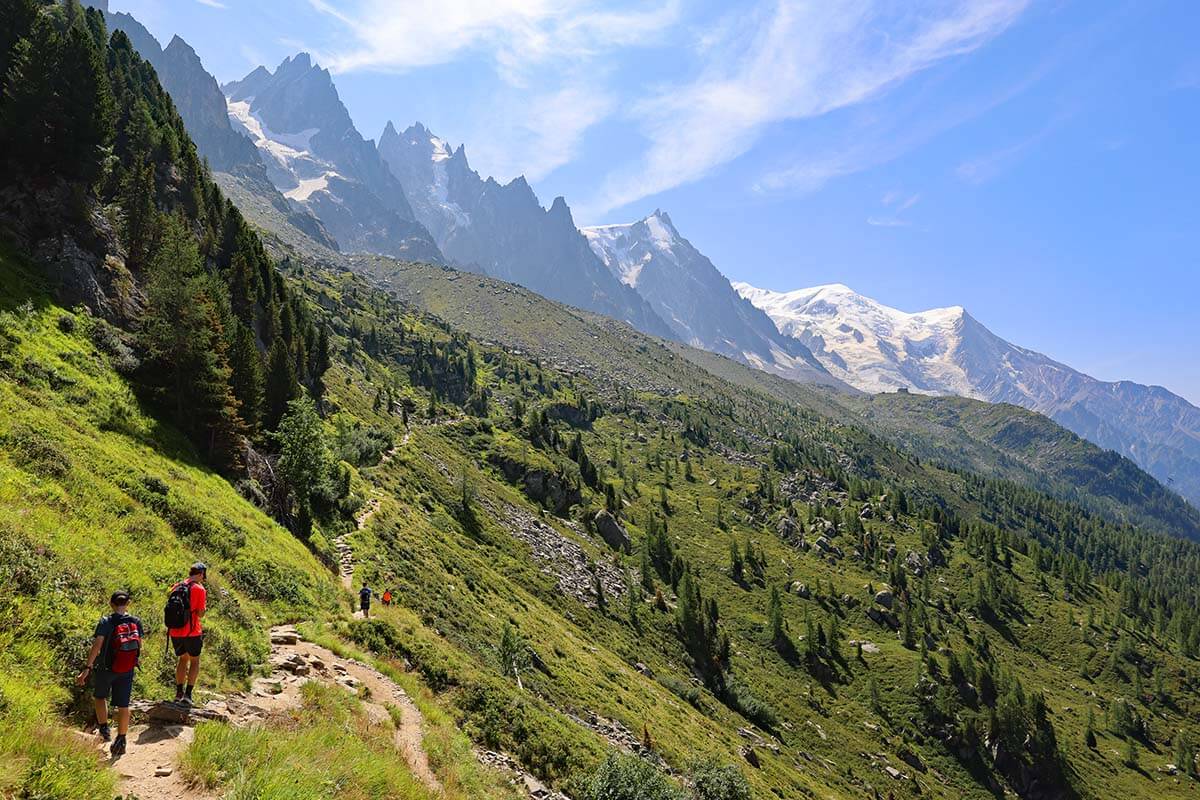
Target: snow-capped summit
(947, 351)
(320, 162)
(626, 248)
(867, 344)
(695, 299)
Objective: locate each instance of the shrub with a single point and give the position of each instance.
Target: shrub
(625, 777)
(719, 782)
(268, 580)
(108, 339)
(739, 697)
(36, 452)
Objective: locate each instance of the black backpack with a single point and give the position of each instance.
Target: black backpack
(178, 611)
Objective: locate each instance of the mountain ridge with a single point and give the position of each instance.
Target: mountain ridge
(318, 159)
(502, 230)
(696, 300)
(948, 351)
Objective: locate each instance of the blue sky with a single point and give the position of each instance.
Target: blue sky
(1035, 162)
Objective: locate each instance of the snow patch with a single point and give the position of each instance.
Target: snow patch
(871, 346)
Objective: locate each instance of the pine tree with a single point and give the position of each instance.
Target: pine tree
(1130, 758)
(281, 384)
(140, 218)
(247, 378)
(16, 22)
(304, 458)
(182, 335)
(321, 363)
(1185, 757)
(736, 565)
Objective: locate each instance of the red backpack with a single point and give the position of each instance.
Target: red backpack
(123, 647)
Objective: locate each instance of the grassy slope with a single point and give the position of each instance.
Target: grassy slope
(458, 586)
(82, 512)
(459, 581)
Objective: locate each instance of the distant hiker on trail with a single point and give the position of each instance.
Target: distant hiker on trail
(116, 647)
(185, 607)
(387, 597)
(364, 600)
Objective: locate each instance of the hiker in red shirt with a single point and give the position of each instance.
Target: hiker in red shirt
(116, 647)
(185, 608)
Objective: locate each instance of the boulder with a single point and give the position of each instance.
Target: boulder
(611, 531)
(884, 598)
(801, 590)
(787, 529)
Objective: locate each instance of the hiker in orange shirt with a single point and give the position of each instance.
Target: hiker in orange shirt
(185, 607)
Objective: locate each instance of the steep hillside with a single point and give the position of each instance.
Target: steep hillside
(97, 495)
(947, 351)
(617, 572)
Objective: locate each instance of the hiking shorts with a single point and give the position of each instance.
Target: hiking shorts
(188, 645)
(117, 684)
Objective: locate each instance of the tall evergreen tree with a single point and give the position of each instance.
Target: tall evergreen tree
(281, 384)
(247, 379)
(182, 335)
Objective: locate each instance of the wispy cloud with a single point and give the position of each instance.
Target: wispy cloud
(795, 60)
(896, 203)
(212, 3)
(539, 133)
(518, 35)
(988, 166)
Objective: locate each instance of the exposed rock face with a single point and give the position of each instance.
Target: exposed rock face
(684, 287)
(81, 255)
(315, 156)
(503, 231)
(202, 106)
(611, 531)
(553, 490)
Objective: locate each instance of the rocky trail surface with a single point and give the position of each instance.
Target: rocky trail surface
(150, 769)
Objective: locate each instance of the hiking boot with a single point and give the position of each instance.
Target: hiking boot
(118, 746)
(103, 732)
(185, 702)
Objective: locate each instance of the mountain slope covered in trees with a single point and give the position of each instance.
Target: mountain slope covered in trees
(599, 546)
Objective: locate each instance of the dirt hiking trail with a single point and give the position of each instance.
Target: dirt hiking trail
(150, 769)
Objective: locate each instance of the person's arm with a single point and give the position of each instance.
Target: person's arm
(203, 604)
(97, 646)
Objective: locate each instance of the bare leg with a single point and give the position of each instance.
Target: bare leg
(181, 670)
(102, 712)
(122, 721)
(193, 670)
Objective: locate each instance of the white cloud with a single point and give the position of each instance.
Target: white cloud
(797, 60)
(518, 35)
(212, 3)
(984, 168)
(539, 133)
